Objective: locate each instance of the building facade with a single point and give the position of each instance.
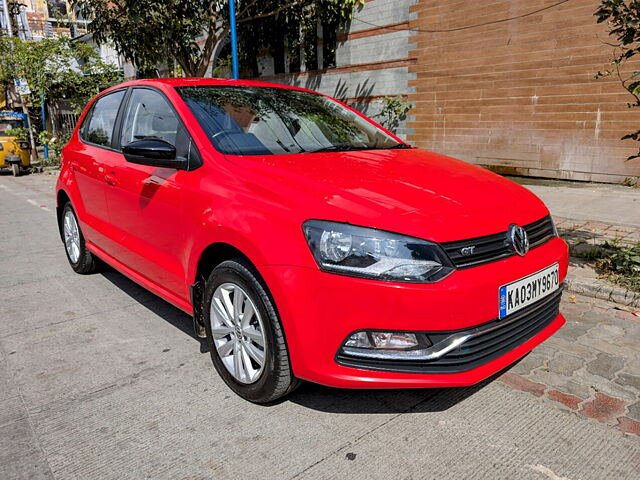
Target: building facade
(508, 84)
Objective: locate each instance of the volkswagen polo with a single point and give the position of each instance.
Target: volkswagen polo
(308, 242)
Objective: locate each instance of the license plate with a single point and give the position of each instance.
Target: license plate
(516, 295)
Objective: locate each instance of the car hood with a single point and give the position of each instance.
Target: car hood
(410, 191)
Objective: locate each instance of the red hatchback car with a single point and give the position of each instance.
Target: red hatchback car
(307, 241)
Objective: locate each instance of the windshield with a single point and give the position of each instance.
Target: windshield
(267, 120)
(9, 125)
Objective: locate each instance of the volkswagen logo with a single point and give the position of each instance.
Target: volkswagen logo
(517, 239)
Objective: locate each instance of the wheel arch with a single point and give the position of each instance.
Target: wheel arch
(213, 255)
(210, 257)
(61, 200)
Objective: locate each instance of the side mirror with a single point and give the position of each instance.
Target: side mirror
(156, 153)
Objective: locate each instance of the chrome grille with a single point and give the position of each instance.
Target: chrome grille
(494, 247)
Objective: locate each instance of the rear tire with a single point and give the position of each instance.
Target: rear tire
(80, 258)
(15, 169)
(254, 335)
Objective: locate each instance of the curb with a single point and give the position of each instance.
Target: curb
(601, 290)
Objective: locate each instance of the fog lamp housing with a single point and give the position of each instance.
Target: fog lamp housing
(386, 340)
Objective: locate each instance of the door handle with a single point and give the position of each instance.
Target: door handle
(111, 179)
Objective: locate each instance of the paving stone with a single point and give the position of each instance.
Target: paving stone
(606, 365)
(633, 365)
(628, 425)
(571, 311)
(529, 363)
(606, 332)
(596, 344)
(594, 316)
(628, 380)
(604, 385)
(573, 329)
(521, 383)
(633, 411)
(564, 364)
(566, 399)
(560, 344)
(603, 408)
(627, 341)
(546, 349)
(561, 382)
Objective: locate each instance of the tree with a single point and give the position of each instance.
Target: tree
(297, 29)
(623, 19)
(152, 32)
(55, 68)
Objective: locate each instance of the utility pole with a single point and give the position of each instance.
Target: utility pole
(44, 124)
(7, 18)
(234, 40)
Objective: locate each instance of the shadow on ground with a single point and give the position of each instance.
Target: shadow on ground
(422, 400)
(163, 309)
(309, 395)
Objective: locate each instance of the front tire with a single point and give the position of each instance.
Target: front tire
(248, 347)
(80, 258)
(15, 169)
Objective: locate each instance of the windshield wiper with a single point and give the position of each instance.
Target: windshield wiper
(397, 147)
(339, 148)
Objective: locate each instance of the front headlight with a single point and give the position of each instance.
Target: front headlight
(377, 254)
(24, 145)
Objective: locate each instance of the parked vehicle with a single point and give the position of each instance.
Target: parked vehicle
(14, 149)
(308, 242)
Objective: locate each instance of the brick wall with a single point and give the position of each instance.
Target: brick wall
(520, 96)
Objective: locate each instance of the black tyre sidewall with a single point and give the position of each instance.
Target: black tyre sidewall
(262, 390)
(85, 261)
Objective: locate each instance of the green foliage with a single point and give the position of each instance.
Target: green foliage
(55, 68)
(20, 132)
(623, 19)
(152, 32)
(222, 68)
(393, 111)
(56, 145)
(44, 137)
(616, 262)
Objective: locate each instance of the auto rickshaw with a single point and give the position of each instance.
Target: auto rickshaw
(14, 149)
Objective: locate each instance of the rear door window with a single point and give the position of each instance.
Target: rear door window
(98, 128)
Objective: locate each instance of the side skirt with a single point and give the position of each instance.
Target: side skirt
(141, 280)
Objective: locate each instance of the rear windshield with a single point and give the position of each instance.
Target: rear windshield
(264, 120)
(9, 125)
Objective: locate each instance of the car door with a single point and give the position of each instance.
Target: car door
(88, 163)
(146, 203)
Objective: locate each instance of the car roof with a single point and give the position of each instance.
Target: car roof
(194, 81)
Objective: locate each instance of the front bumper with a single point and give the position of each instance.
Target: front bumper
(320, 310)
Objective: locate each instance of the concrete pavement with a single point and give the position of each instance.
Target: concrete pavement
(101, 379)
(589, 202)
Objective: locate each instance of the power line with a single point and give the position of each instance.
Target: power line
(467, 26)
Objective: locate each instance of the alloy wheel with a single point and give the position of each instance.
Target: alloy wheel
(238, 332)
(71, 236)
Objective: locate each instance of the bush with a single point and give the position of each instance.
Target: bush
(618, 263)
